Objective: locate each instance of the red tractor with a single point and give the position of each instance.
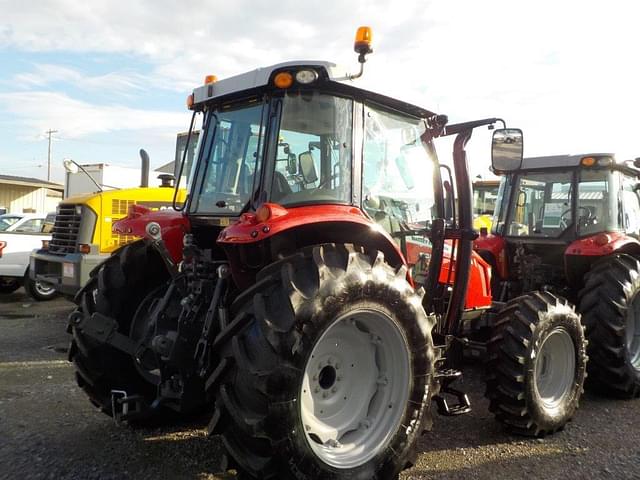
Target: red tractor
(289, 292)
(570, 224)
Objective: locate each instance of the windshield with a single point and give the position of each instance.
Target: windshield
(181, 146)
(484, 199)
(541, 204)
(397, 182)
(597, 207)
(313, 157)
(226, 180)
(6, 221)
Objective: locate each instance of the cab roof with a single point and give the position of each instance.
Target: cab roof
(559, 161)
(259, 78)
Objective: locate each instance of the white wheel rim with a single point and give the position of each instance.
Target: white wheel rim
(43, 290)
(355, 388)
(555, 369)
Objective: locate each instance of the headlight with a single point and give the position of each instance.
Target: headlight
(306, 76)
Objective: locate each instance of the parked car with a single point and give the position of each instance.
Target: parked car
(22, 222)
(20, 234)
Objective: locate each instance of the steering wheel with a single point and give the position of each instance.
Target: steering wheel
(585, 218)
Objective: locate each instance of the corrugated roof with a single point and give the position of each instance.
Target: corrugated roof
(30, 182)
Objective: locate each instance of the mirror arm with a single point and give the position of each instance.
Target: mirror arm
(458, 128)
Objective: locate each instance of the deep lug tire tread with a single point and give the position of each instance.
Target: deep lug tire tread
(519, 329)
(290, 306)
(609, 288)
(115, 289)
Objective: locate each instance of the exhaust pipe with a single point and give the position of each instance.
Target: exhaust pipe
(144, 156)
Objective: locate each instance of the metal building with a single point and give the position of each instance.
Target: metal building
(28, 195)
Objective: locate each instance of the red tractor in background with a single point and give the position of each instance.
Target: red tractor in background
(570, 224)
(312, 291)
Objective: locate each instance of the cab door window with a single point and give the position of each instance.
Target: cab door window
(31, 226)
(631, 207)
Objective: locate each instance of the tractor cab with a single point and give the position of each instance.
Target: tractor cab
(557, 214)
(301, 156)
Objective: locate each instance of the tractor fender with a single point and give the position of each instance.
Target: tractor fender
(604, 244)
(140, 221)
(312, 225)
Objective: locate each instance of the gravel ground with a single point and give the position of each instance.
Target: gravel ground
(48, 430)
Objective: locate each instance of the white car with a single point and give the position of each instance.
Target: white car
(20, 234)
(22, 222)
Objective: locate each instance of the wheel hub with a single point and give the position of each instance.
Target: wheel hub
(555, 368)
(44, 289)
(355, 388)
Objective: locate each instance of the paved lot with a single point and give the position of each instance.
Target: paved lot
(49, 430)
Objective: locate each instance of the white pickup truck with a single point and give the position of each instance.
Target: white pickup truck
(20, 234)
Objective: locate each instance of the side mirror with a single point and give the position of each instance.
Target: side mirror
(70, 166)
(506, 150)
(307, 167)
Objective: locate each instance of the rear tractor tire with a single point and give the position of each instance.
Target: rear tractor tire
(116, 289)
(610, 307)
(331, 375)
(536, 364)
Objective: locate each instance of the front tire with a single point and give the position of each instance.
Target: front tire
(610, 307)
(536, 364)
(331, 376)
(37, 290)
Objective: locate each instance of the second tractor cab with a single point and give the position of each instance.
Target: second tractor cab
(312, 291)
(570, 224)
(485, 193)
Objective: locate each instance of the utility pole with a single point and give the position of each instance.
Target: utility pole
(49, 133)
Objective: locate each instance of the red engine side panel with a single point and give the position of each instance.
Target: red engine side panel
(479, 287)
(173, 226)
(601, 244)
(495, 245)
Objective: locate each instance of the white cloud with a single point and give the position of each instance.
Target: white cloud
(563, 71)
(112, 82)
(37, 111)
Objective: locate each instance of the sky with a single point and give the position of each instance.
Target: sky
(112, 77)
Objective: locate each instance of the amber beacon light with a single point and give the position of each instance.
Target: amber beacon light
(362, 44)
